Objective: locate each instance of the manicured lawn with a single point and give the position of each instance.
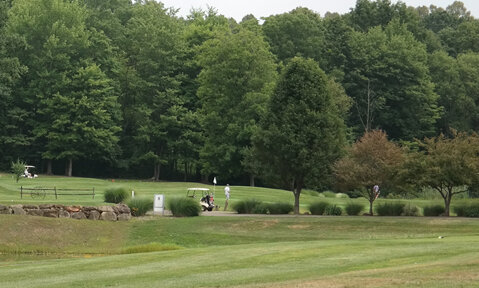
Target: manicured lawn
(265, 251)
(230, 251)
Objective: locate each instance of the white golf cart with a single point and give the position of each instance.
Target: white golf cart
(207, 201)
(27, 173)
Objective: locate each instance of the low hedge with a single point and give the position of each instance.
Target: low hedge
(333, 210)
(353, 209)
(467, 210)
(115, 195)
(139, 206)
(318, 208)
(434, 210)
(184, 207)
(253, 206)
(279, 208)
(390, 209)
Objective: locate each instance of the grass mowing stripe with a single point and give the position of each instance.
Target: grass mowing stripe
(241, 264)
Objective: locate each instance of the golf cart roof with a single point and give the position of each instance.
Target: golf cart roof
(29, 166)
(198, 189)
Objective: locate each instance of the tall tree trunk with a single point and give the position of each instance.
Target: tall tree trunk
(49, 167)
(447, 203)
(251, 180)
(297, 193)
(156, 176)
(186, 172)
(69, 167)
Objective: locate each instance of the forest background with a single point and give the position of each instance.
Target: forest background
(121, 89)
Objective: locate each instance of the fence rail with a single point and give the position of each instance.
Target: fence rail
(43, 191)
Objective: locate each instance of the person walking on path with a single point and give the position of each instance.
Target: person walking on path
(227, 195)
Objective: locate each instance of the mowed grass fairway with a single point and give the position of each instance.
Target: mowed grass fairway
(231, 251)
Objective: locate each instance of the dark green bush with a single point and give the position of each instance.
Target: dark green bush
(249, 206)
(471, 210)
(116, 194)
(184, 207)
(333, 210)
(390, 209)
(354, 209)
(279, 208)
(318, 208)
(410, 210)
(434, 210)
(139, 206)
(460, 210)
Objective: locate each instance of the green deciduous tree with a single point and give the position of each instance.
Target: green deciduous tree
(237, 77)
(392, 66)
(155, 52)
(447, 165)
(303, 131)
(372, 160)
(297, 33)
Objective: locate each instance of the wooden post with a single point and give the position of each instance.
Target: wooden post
(55, 188)
(21, 192)
(93, 192)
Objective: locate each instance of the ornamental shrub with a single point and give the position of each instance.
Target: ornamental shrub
(249, 206)
(354, 209)
(390, 209)
(471, 210)
(184, 207)
(279, 208)
(333, 210)
(139, 206)
(115, 195)
(434, 210)
(410, 210)
(318, 208)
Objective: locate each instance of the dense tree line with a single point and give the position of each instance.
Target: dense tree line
(117, 88)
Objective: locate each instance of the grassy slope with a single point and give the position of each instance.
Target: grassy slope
(10, 192)
(265, 251)
(249, 251)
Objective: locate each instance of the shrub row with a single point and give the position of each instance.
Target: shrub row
(467, 210)
(253, 206)
(184, 207)
(324, 208)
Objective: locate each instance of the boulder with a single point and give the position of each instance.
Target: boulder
(88, 208)
(78, 215)
(63, 214)
(46, 206)
(53, 213)
(73, 209)
(3, 207)
(94, 215)
(105, 209)
(18, 210)
(108, 216)
(123, 208)
(35, 212)
(6, 211)
(30, 206)
(124, 217)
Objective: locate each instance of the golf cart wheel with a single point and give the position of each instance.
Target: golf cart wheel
(210, 209)
(204, 208)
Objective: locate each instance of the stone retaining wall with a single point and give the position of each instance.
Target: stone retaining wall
(120, 212)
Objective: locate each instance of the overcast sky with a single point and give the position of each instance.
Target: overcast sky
(263, 8)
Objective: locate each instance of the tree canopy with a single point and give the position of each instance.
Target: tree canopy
(129, 88)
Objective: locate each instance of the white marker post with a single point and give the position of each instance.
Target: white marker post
(159, 204)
